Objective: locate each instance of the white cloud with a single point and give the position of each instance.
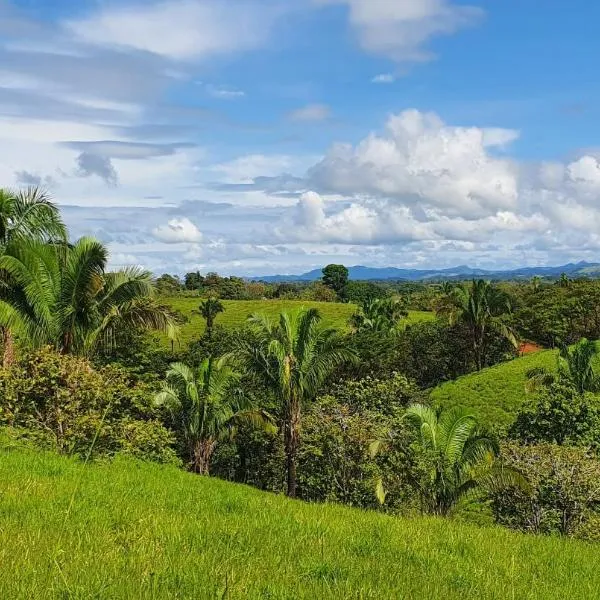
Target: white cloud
(224, 93)
(177, 29)
(311, 112)
(178, 231)
(402, 29)
(384, 78)
(423, 162)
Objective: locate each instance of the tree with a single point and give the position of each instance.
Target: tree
(28, 214)
(335, 277)
(479, 307)
(209, 309)
(63, 296)
(168, 284)
(206, 407)
(382, 315)
(193, 281)
(293, 356)
(462, 459)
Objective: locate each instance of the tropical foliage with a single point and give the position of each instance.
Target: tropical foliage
(64, 296)
(206, 406)
(293, 356)
(480, 308)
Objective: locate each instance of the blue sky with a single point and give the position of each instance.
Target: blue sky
(271, 136)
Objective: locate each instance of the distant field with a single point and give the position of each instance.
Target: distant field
(496, 393)
(129, 530)
(237, 312)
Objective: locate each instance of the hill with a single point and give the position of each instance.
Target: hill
(361, 273)
(129, 530)
(237, 311)
(495, 393)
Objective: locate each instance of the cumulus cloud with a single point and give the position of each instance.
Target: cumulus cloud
(178, 231)
(311, 112)
(422, 161)
(401, 30)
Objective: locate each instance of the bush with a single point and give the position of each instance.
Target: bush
(564, 497)
(335, 464)
(62, 402)
(559, 414)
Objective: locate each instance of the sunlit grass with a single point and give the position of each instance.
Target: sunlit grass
(237, 311)
(495, 394)
(137, 530)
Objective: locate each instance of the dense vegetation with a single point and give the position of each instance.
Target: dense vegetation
(402, 398)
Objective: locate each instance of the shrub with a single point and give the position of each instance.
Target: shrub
(559, 414)
(564, 496)
(62, 401)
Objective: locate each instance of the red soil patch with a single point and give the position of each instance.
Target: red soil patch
(528, 348)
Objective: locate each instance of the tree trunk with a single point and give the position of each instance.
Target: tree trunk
(201, 453)
(291, 442)
(8, 357)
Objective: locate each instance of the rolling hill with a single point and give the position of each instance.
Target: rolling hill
(496, 393)
(131, 530)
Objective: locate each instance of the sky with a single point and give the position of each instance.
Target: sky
(255, 137)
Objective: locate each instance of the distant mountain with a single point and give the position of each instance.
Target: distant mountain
(360, 273)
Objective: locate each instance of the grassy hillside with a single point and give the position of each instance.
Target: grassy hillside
(135, 530)
(495, 393)
(237, 311)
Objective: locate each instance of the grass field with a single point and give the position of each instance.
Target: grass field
(129, 530)
(496, 393)
(237, 311)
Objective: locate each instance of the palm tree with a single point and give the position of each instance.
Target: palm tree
(379, 314)
(463, 459)
(479, 308)
(207, 407)
(29, 214)
(63, 296)
(536, 283)
(574, 364)
(209, 309)
(25, 214)
(293, 357)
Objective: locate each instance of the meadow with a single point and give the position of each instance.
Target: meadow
(495, 394)
(128, 529)
(334, 314)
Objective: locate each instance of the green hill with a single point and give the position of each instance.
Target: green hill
(237, 311)
(129, 530)
(495, 393)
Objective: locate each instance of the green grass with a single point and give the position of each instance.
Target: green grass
(237, 311)
(137, 530)
(495, 394)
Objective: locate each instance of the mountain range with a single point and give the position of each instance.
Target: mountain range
(361, 273)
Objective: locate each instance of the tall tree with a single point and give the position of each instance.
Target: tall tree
(479, 307)
(293, 356)
(207, 406)
(209, 309)
(25, 214)
(63, 296)
(335, 277)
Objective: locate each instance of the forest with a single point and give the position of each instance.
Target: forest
(466, 401)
